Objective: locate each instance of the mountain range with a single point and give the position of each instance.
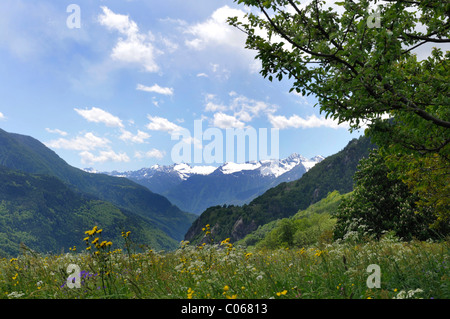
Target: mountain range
(41, 196)
(195, 188)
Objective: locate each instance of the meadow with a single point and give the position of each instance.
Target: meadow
(222, 270)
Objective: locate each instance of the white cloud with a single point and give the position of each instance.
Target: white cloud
(312, 121)
(224, 121)
(97, 115)
(216, 30)
(161, 124)
(155, 89)
(244, 109)
(81, 143)
(55, 131)
(213, 107)
(200, 75)
(136, 47)
(2, 117)
(140, 137)
(104, 156)
(153, 153)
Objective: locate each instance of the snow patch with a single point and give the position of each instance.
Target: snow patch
(230, 168)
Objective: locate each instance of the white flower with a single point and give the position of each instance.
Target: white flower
(16, 294)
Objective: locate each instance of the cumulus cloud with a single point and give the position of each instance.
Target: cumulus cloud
(2, 117)
(243, 110)
(140, 137)
(162, 124)
(86, 142)
(153, 153)
(216, 31)
(104, 156)
(97, 115)
(55, 131)
(135, 47)
(312, 121)
(224, 121)
(155, 89)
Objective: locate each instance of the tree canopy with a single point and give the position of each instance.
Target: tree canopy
(360, 59)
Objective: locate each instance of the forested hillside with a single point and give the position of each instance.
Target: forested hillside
(164, 223)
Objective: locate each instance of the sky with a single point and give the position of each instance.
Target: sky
(128, 86)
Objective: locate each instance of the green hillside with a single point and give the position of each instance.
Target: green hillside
(24, 153)
(46, 215)
(307, 227)
(333, 173)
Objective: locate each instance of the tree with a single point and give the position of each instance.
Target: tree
(361, 65)
(381, 203)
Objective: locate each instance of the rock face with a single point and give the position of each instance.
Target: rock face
(241, 229)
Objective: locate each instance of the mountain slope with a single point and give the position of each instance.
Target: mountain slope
(303, 228)
(27, 154)
(333, 173)
(48, 216)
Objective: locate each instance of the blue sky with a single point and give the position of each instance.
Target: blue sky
(110, 94)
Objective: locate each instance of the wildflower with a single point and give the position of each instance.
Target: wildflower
(16, 294)
(190, 292)
(284, 292)
(226, 288)
(232, 297)
(95, 240)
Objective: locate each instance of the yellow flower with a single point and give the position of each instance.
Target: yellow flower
(282, 293)
(226, 288)
(232, 297)
(190, 293)
(99, 231)
(95, 240)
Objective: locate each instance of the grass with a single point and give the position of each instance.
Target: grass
(338, 270)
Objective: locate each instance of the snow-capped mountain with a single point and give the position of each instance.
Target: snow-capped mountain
(195, 188)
